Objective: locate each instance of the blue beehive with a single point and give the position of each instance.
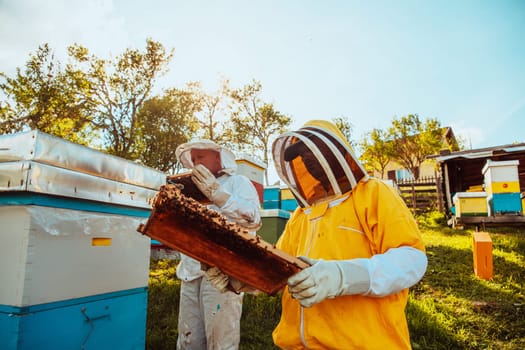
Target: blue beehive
(501, 181)
(288, 201)
(271, 198)
(505, 203)
(73, 268)
(289, 204)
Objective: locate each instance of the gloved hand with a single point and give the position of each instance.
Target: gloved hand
(328, 279)
(217, 278)
(224, 283)
(208, 185)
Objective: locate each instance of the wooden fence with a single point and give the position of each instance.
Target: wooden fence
(422, 195)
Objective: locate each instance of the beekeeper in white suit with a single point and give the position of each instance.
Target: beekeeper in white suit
(209, 318)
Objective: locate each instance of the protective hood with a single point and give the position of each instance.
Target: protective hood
(183, 154)
(317, 162)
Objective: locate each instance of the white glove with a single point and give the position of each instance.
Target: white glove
(224, 283)
(208, 185)
(328, 279)
(217, 278)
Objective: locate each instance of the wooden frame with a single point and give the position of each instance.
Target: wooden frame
(183, 224)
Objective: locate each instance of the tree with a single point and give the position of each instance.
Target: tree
(377, 151)
(212, 107)
(164, 123)
(118, 88)
(413, 140)
(45, 97)
(254, 123)
(89, 95)
(346, 128)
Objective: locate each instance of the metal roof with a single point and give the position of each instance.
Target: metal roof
(481, 152)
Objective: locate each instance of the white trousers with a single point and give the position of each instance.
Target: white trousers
(208, 319)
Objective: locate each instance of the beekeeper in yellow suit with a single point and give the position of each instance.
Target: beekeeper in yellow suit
(361, 240)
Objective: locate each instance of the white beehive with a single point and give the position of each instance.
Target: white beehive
(73, 268)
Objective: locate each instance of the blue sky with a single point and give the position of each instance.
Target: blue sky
(462, 62)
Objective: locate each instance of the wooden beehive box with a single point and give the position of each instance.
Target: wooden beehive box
(189, 227)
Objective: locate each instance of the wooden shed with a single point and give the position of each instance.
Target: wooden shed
(462, 171)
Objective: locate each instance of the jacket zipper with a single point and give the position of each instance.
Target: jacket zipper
(306, 253)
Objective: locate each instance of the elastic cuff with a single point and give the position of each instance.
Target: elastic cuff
(355, 277)
(220, 198)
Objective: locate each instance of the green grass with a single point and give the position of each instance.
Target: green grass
(450, 308)
(163, 305)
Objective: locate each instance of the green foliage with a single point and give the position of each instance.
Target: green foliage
(254, 122)
(408, 141)
(376, 151)
(164, 122)
(89, 95)
(412, 140)
(213, 108)
(44, 96)
(117, 89)
(450, 308)
(346, 128)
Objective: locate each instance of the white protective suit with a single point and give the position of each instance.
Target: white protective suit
(209, 319)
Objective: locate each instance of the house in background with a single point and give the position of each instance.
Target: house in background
(397, 173)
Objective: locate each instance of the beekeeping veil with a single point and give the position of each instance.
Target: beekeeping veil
(183, 154)
(318, 145)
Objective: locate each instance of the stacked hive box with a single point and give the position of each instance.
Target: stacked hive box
(502, 186)
(288, 201)
(470, 204)
(277, 205)
(276, 197)
(273, 223)
(253, 170)
(73, 269)
(273, 218)
(272, 197)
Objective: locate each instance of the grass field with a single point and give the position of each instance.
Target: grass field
(450, 308)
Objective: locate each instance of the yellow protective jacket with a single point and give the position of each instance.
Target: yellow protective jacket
(365, 221)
